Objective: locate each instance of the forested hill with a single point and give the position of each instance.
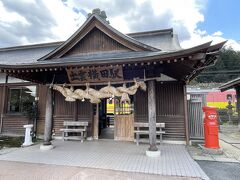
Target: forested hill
(226, 68)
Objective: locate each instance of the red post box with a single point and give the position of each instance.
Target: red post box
(211, 127)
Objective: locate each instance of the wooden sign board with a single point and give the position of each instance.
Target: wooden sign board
(95, 74)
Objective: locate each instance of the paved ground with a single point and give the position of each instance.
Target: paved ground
(230, 143)
(107, 133)
(120, 156)
(19, 170)
(227, 165)
(221, 170)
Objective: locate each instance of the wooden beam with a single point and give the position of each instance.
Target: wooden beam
(3, 101)
(96, 123)
(186, 114)
(106, 83)
(48, 118)
(152, 115)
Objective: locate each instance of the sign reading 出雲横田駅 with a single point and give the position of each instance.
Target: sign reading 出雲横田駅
(95, 74)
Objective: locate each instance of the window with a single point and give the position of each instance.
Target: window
(21, 98)
(122, 108)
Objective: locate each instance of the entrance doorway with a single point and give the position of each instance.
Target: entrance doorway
(116, 119)
(106, 119)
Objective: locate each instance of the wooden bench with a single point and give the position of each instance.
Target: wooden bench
(143, 129)
(74, 130)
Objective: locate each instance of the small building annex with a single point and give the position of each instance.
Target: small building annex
(95, 64)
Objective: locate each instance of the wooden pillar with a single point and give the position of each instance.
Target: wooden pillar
(75, 115)
(96, 123)
(3, 102)
(152, 114)
(238, 105)
(48, 118)
(186, 114)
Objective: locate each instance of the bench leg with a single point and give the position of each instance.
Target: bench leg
(137, 139)
(63, 135)
(160, 138)
(82, 136)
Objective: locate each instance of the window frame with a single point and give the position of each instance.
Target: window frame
(22, 86)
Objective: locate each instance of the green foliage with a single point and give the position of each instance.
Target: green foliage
(10, 141)
(226, 68)
(30, 110)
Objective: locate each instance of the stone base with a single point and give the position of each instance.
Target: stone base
(90, 138)
(218, 151)
(27, 144)
(46, 147)
(153, 153)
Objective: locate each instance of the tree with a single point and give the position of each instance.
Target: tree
(226, 68)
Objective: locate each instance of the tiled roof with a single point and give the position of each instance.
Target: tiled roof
(24, 55)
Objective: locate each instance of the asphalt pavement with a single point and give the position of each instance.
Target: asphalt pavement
(32, 171)
(221, 170)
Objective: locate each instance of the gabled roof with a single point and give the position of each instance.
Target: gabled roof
(25, 54)
(94, 21)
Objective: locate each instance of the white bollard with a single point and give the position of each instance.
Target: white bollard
(28, 137)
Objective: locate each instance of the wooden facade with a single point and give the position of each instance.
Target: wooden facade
(97, 45)
(64, 111)
(169, 109)
(96, 41)
(12, 123)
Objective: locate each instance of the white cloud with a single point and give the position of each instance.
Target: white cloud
(7, 18)
(67, 22)
(233, 44)
(125, 15)
(199, 37)
(218, 33)
(139, 15)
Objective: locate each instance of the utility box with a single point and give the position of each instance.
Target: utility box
(211, 127)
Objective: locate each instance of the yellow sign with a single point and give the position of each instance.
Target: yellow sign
(99, 74)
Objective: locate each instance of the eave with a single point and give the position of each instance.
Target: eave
(230, 84)
(198, 51)
(182, 65)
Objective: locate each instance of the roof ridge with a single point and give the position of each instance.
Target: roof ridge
(148, 33)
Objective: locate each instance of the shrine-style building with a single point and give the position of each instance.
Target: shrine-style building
(98, 54)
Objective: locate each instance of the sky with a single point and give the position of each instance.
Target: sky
(25, 22)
